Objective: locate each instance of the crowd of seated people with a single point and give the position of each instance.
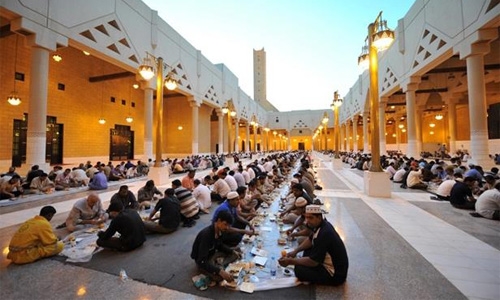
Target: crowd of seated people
(94, 176)
(454, 180)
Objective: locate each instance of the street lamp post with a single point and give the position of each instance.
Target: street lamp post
(379, 38)
(337, 103)
(146, 70)
(227, 110)
(275, 148)
(325, 127)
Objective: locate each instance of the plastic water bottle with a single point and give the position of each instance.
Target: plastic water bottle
(273, 267)
(123, 275)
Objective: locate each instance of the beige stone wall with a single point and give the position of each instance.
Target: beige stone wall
(177, 112)
(78, 107)
(205, 144)
(463, 123)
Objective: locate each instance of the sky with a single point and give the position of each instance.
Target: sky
(311, 46)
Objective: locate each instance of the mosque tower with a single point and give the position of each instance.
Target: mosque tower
(259, 80)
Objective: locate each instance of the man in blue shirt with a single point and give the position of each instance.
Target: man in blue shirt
(98, 181)
(235, 232)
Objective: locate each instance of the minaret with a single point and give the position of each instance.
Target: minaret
(259, 75)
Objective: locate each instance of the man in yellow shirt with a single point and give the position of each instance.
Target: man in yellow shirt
(35, 239)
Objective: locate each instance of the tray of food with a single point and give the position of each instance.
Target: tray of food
(235, 268)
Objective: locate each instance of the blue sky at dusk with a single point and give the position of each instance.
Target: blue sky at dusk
(312, 46)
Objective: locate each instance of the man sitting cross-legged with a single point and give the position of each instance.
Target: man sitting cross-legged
(324, 260)
(210, 253)
(35, 239)
(170, 214)
(128, 224)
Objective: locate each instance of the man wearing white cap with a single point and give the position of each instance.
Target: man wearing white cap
(324, 260)
(293, 213)
(235, 232)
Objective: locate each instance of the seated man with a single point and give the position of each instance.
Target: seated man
(220, 189)
(324, 260)
(98, 181)
(33, 172)
(246, 206)
(414, 179)
(128, 224)
(189, 206)
(461, 194)
(188, 180)
(11, 172)
(11, 188)
(488, 204)
(291, 214)
(126, 197)
(444, 189)
(399, 175)
(42, 184)
(116, 174)
(80, 177)
(208, 246)
(35, 239)
(170, 214)
(202, 194)
(56, 170)
(147, 194)
(85, 211)
(235, 232)
(64, 180)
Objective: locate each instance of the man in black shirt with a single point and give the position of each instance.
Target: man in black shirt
(325, 257)
(461, 194)
(126, 197)
(170, 214)
(208, 246)
(126, 222)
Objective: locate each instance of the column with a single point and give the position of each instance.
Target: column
(236, 135)
(347, 135)
(419, 127)
(477, 110)
(409, 88)
(37, 111)
(288, 146)
(355, 134)
(398, 132)
(148, 119)
(255, 138)
(229, 138)
(452, 124)
(381, 118)
(220, 117)
(41, 41)
(365, 133)
(247, 137)
(473, 50)
(195, 125)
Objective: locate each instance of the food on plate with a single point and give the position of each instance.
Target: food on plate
(281, 241)
(100, 226)
(283, 253)
(231, 284)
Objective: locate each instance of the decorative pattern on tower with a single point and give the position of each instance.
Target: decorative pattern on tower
(430, 45)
